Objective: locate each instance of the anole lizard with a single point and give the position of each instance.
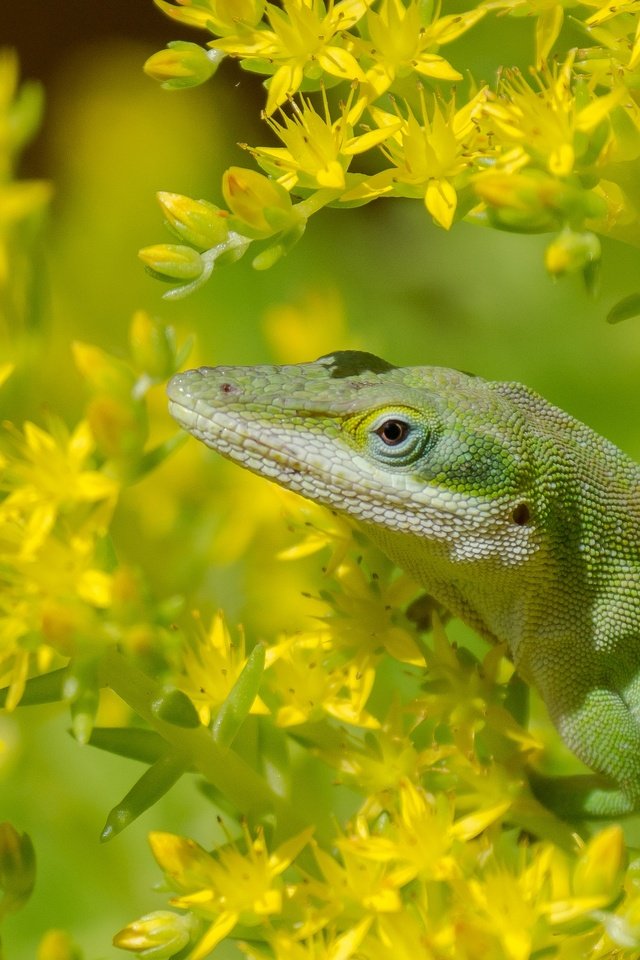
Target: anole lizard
(519, 519)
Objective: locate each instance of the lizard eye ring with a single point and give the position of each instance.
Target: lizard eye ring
(393, 431)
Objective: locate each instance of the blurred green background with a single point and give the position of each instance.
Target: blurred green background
(381, 278)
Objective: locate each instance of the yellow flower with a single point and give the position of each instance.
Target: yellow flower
(508, 906)
(317, 152)
(311, 683)
(609, 9)
(549, 126)
(359, 884)
(55, 506)
(228, 887)
(376, 767)
(51, 476)
(218, 16)
(418, 843)
(212, 666)
(401, 42)
(365, 613)
(305, 40)
(428, 156)
(323, 946)
(320, 529)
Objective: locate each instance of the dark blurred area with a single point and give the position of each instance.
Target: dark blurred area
(46, 33)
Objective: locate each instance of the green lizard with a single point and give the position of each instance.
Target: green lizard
(522, 521)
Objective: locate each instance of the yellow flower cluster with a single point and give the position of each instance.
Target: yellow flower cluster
(63, 595)
(546, 152)
(55, 510)
(432, 860)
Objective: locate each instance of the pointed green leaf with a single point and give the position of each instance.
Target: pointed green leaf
(235, 709)
(131, 742)
(82, 689)
(47, 688)
(626, 309)
(175, 707)
(152, 785)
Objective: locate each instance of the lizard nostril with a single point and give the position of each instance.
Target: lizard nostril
(229, 388)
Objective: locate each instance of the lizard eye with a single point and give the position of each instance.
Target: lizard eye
(392, 432)
(396, 438)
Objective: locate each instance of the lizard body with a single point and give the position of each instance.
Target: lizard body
(521, 520)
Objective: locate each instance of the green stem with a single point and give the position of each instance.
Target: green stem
(316, 202)
(225, 770)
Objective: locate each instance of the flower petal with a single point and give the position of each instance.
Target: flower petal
(440, 200)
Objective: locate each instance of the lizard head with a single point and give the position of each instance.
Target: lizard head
(423, 451)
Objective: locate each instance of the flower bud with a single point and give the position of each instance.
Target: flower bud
(262, 205)
(182, 64)
(17, 868)
(570, 252)
(152, 345)
(57, 945)
(103, 373)
(198, 222)
(158, 935)
(172, 261)
(119, 426)
(600, 869)
(518, 201)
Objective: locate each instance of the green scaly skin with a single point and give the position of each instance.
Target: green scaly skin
(518, 518)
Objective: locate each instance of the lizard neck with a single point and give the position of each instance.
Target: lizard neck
(484, 593)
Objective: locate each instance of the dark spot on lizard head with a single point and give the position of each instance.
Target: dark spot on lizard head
(351, 363)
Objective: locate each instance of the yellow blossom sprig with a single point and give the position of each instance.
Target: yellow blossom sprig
(227, 888)
(301, 39)
(402, 41)
(429, 155)
(317, 150)
(212, 667)
(547, 155)
(421, 882)
(64, 598)
(55, 508)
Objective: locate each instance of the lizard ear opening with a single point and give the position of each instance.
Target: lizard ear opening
(521, 514)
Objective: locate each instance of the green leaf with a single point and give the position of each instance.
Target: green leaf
(130, 742)
(175, 707)
(626, 309)
(235, 709)
(82, 689)
(47, 688)
(152, 785)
